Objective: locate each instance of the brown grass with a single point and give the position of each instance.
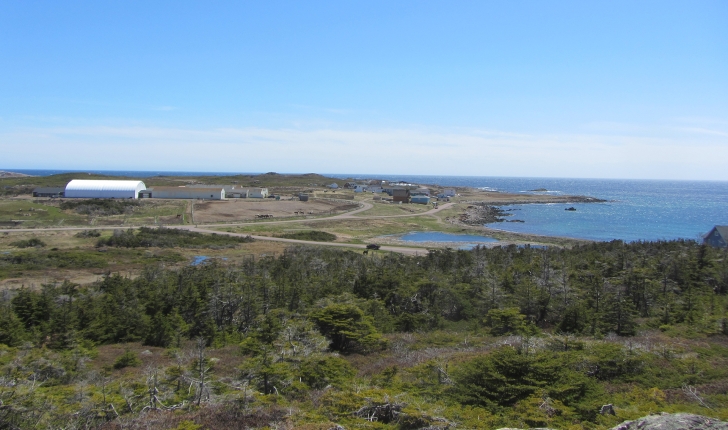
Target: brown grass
(247, 209)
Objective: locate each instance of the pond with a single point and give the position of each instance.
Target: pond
(199, 259)
(468, 240)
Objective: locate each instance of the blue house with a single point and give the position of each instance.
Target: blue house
(420, 199)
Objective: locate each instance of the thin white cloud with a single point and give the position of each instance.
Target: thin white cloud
(692, 155)
(699, 130)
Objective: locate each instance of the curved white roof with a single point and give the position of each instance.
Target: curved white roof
(85, 188)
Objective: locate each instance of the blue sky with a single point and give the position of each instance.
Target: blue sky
(613, 89)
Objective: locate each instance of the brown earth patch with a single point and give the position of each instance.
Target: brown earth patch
(246, 210)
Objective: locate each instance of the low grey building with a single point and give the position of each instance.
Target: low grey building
(187, 193)
(49, 192)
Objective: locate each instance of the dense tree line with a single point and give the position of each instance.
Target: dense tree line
(292, 315)
(594, 289)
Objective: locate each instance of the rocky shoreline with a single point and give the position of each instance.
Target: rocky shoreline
(481, 213)
(484, 212)
(5, 174)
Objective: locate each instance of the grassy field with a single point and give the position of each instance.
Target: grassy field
(68, 256)
(46, 213)
(36, 214)
(352, 230)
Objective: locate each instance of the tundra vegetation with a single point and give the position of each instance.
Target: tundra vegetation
(147, 237)
(313, 235)
(487, 338)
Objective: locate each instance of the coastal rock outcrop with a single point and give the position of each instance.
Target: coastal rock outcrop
(480, 213)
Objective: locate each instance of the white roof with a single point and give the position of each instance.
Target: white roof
(103, 188)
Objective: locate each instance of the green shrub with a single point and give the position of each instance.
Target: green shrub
(87, 233)
(313, 235)
(348, 328)
(507, 321)
(170, 238)
(100, 207)
(320, 372)
(507, 376)
(30, 243)
(127, 359)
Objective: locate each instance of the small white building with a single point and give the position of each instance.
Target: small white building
(360, 188)
(375, 189)
(103, 189)
(258, 193)
(334, 186)
(448, 192)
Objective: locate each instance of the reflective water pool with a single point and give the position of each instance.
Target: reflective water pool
(436, 236)
(199, 259)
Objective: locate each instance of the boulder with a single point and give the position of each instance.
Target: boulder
(673, 422)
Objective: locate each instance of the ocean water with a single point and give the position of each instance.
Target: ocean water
(636, 209)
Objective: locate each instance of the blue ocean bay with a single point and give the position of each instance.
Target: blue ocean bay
(635, 210)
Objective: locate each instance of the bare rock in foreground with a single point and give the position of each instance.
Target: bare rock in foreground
(674, 422)
(668, 422)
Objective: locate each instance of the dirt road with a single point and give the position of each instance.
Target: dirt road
(201, 229)
(398, 249)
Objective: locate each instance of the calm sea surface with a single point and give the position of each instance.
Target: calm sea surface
(636, 210)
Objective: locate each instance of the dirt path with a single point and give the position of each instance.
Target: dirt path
(201, 229)
(398, 249)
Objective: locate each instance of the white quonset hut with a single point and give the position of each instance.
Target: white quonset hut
(103, 189)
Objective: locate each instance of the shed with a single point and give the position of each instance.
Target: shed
(717, 237)
(188, 193)
(258, 193)
(334, 186)
(401, 195)
(49, 192)
(103, 189)
(303, 197)
(449, 192)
